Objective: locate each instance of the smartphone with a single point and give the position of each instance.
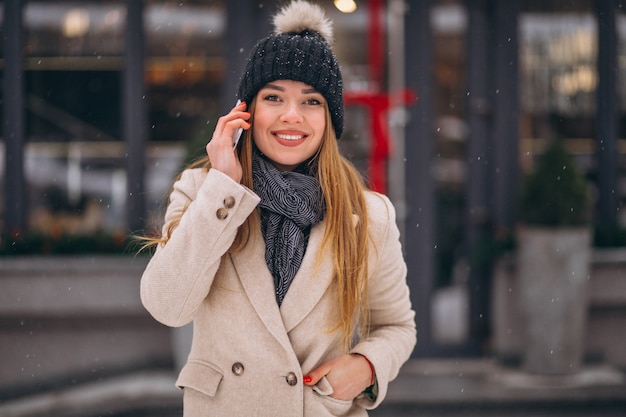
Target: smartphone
(238, 133)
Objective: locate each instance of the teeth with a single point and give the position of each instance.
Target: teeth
(290, 137)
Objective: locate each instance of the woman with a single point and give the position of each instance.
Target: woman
(291, 271)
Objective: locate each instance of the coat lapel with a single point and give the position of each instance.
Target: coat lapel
(259, 286)
(310, 282)
(305, 291)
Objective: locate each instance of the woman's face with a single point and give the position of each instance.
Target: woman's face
(289, 122)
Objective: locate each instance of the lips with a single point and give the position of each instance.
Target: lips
(291, 138)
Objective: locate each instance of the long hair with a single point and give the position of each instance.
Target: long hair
(346, 236)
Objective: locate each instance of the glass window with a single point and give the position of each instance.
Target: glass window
(558, 59)
(72, 82)
(73, 74)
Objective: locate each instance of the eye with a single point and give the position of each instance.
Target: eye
(313, 101)
(271, 97)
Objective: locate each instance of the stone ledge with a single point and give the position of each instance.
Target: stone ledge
(67, 286)
(116, 395)
(483, 382)
(67, 317)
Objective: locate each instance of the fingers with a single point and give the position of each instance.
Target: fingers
(348, 374)
(315, 375)
(220, 147)
(228, 125)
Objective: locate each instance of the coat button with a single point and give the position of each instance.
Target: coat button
(221, 213)
(291, 379)
(237, 368)
(229, 202)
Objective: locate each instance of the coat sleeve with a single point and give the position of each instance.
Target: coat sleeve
(180, 273)
(392, 335)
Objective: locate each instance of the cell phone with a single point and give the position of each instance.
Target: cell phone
(238, 133)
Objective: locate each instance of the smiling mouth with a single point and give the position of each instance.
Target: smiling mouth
(289, 137)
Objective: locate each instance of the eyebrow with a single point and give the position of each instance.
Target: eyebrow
(279, 88)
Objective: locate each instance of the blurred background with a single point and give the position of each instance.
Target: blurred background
(450, 105)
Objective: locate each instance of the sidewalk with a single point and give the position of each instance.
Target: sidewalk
(482, 388)
(424, 388)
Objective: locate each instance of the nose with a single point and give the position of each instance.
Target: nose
(291, 113)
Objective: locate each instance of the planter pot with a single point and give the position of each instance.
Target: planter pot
(553, 267)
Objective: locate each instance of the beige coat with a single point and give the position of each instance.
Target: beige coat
(248, 356)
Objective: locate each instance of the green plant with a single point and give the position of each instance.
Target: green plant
(555, 193)
(66, 244)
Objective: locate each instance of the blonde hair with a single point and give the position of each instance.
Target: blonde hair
(347, 227)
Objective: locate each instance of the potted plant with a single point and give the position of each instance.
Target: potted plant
(553, 258)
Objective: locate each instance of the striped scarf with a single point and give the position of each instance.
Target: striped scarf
(291, 203)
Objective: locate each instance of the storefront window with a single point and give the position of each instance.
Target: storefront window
(73, 72)
(558, 58)
(558, 68)
(184, 68)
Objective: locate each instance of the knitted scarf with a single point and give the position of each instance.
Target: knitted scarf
(291, 203)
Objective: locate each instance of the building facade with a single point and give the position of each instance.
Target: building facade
(447, 104)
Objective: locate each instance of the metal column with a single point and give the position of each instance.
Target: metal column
(134, 115)
(397, 110)
(478, 158)
(13, 130)
(505, 93)
(419, 148)
(606, 115)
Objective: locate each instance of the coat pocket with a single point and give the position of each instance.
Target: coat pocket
(323, 387)
(200, 376)
(337, 407)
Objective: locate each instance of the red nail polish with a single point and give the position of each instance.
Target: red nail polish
(307, 379)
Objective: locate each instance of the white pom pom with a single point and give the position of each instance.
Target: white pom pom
(301, 15)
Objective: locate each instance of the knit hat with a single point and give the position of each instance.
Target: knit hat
(298, 50)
